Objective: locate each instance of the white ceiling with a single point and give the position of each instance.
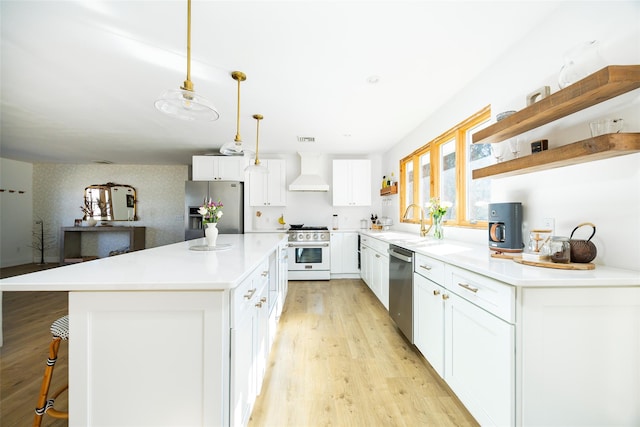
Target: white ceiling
(79, 78)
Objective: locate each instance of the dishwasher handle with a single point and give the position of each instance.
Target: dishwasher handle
(399, 255)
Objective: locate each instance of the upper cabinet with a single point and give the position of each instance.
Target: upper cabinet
(218, 168)
(269, 189)
(352, 182)
(600, 86)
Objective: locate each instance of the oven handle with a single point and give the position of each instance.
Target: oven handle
(308, 245)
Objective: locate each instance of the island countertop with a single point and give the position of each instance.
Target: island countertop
(164, 268)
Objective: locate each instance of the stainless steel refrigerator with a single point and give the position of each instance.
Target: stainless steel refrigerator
(230, 193)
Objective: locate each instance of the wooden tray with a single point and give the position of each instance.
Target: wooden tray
(549, 264)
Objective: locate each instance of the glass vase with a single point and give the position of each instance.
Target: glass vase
(438, 232)
(211, 233)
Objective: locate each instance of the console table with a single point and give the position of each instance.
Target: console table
(71, 240)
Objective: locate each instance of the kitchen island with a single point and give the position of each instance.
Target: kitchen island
(165, 336)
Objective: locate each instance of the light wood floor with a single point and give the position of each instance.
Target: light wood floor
(27, 317)
(337, 360)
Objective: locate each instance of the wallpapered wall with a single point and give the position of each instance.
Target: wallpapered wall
(58, 193)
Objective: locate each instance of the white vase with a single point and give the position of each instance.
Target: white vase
(211, 233)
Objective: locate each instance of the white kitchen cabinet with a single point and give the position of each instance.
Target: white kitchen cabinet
(580, 356)
(351, 182)
(249, 337)
(269, 189)
(218, 168)
(479, 345)
(375, 267)
(428, 320)
(344, 254)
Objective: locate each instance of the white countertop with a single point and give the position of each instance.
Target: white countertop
(170, 267)
(478, 259)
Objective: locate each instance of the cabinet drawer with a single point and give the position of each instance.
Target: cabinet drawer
(494, 296)
(430, 268)
(246, 295)
(375, 244)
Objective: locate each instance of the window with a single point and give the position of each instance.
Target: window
(442, 168)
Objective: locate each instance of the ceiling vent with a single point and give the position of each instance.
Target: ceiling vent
(306, 139)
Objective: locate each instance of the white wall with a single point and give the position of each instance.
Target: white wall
(316, 208)
(58, 193)
(16, 208)
(605, 192)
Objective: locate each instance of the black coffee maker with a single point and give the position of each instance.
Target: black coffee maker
(505, 227)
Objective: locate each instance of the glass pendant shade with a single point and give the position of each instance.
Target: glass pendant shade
(186, 105)
(183, 103)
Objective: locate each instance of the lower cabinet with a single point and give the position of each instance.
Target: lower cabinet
(344, 254)
(480, 361)
(464, 326)
(428, 319)
(249, 343)
(374, 269)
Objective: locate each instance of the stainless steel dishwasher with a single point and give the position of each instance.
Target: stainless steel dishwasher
(401, 289)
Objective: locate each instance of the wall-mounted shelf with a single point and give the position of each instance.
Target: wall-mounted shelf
(600, 147)
(386, 191)
(598, 87)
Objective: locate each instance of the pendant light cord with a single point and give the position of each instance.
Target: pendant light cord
(258, 117)
(238, 138)
(188, 85)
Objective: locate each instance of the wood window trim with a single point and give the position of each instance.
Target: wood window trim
(456, 133)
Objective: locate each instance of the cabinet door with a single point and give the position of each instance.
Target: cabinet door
(262, 336)
(269, 189)
(350, 253)
(351, 182)
(479, 361)
(229, 168)
(243, 373)
(365, 268)
(428, 321)
(202, 168)
(361, 182)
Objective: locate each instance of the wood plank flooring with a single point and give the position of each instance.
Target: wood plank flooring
(337, 360)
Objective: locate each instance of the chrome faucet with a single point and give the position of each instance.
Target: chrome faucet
(423, 231)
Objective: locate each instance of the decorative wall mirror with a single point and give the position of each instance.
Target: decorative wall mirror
(110, 202)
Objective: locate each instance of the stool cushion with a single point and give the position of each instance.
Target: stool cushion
(60, 328)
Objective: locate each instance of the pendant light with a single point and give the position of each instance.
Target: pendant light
(256, 166)
(183, 103)
(236, 147)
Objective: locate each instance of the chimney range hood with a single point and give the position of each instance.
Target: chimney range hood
(309, 179)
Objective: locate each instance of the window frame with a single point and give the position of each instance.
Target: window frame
(457, 133)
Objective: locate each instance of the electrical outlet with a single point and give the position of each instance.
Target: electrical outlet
(549, 223)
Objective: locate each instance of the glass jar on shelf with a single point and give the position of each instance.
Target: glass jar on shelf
(560, 249)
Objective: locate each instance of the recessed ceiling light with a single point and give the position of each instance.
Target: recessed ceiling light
(103, 162)
(306, 139)
(373, 79)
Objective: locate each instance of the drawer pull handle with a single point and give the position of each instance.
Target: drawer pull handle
(436, 292)
(426, 267)
(377, 256)
(263, 299)
(445, 296)
(265, 273)
(259, 304)
(468, 287)
(249, 294)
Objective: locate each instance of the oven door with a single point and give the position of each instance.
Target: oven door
(309, 261)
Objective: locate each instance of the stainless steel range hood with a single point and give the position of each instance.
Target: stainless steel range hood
(309, 179)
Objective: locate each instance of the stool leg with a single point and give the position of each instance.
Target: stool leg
(46, 381)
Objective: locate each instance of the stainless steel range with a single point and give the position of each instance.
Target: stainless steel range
(309, 253)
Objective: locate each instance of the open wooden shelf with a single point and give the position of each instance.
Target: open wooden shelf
(598, 87)
(392, 189)
(600, 147)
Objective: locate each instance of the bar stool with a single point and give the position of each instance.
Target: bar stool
(60, 331)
